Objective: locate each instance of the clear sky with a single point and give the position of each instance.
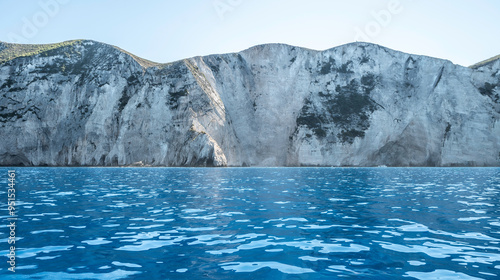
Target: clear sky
(462, 31)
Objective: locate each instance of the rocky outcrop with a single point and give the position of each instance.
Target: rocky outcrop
(88, 103)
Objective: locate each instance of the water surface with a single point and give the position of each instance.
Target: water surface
(254, 223)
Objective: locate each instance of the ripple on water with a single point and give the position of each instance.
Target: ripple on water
(47, 257)
(47, 231)
(416, 263)
(313, 259)
(306, 245)
(116, 263)
(113, 275)
(440, 274)
(147, 245)
(78, 227)
(146, 227)
(254, 266)
(191, 211)
(97, 241)
(32, 252)
(340, 268)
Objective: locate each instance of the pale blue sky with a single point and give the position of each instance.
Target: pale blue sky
(464, 32)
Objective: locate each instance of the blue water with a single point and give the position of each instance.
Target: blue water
(254, 223)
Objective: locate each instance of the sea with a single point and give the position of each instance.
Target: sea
(250, 223)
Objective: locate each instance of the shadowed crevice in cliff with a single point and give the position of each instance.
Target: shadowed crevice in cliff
(409, 149)
(14, 160)
(347, 110)
(491, 90)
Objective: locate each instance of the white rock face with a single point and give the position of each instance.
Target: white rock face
(271, 105)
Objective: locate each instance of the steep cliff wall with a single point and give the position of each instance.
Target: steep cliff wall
(88, 103)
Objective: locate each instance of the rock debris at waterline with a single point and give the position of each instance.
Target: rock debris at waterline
(88, 103)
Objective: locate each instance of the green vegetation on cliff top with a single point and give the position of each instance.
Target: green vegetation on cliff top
(12, 51)
(485, 62)
(9, 51)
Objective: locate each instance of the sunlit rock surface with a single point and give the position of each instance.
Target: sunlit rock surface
(88, 103)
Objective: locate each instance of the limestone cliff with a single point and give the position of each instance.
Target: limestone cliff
(89, 103)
